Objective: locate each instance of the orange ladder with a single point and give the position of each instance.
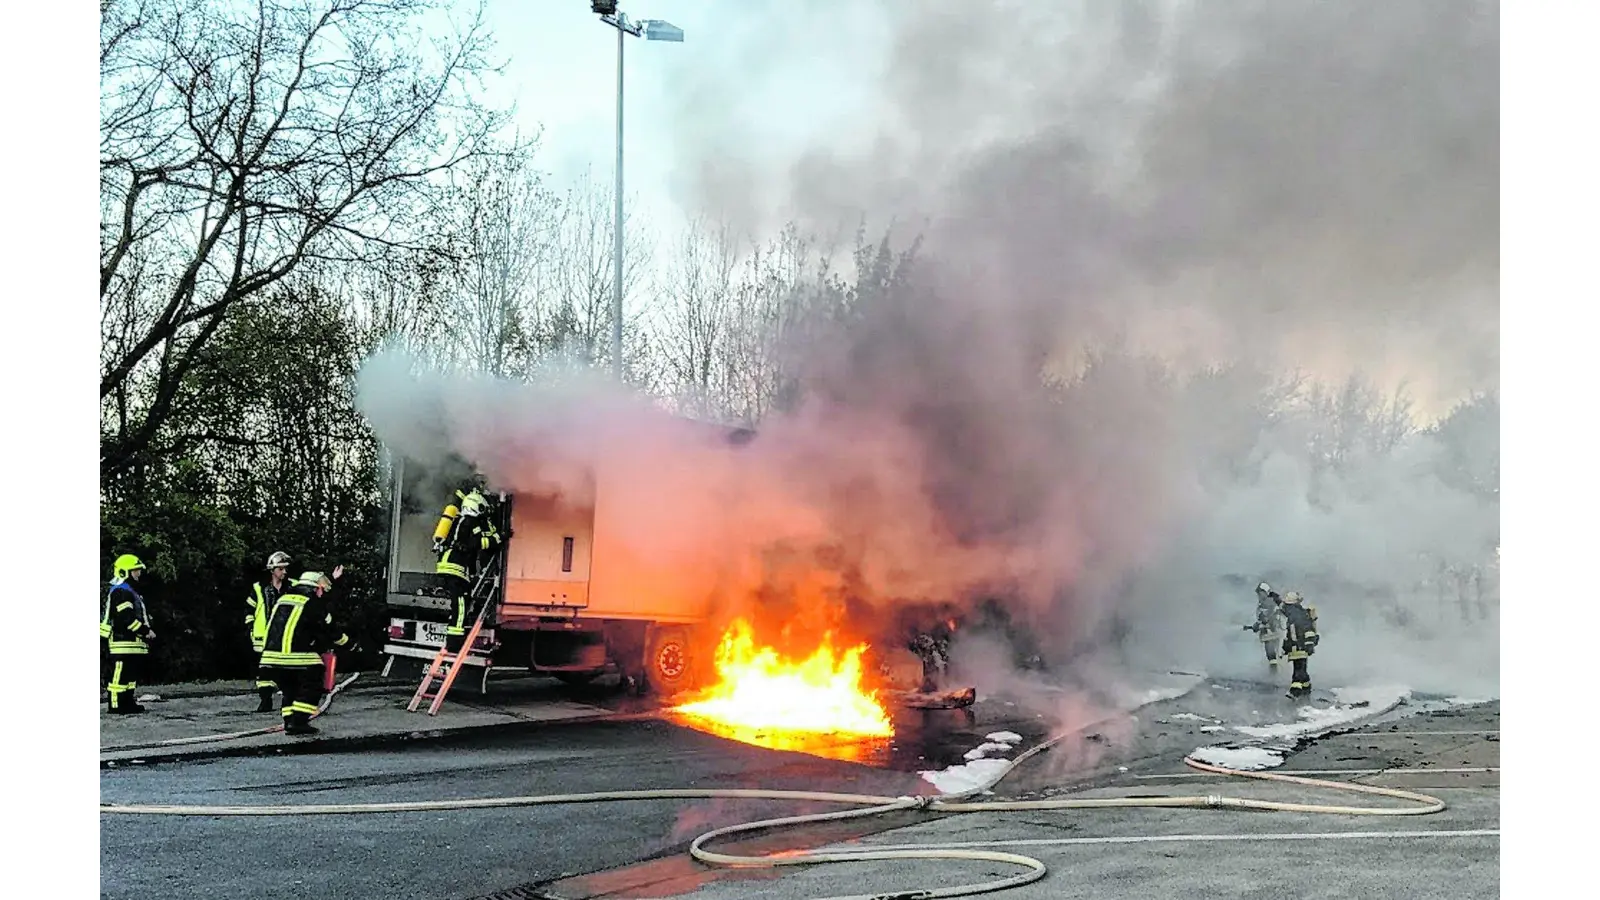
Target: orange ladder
(442, 671)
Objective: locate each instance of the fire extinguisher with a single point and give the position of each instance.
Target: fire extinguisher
(328, 660)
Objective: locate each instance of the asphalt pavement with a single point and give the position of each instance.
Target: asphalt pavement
(534, 737)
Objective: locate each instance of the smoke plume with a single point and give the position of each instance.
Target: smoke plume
(1140, 223)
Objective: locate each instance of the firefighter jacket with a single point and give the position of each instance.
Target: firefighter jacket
(1269, 616)
(258, 610)
(1300, 634)
(300, 629)
(470, 538)
(124, 621)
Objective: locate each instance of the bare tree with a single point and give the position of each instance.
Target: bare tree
(577, 322)
(762, 314)
(695, 300)
(510, 230)
(240, 141)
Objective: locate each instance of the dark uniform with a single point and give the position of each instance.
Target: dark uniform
(125, 625)
(1299, 641)
(463, 537)
(299, 631)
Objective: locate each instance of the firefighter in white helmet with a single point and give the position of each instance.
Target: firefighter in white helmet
(258, 610)
(1269, 622)
(1299, 641)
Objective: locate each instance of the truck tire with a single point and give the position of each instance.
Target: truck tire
(670, 661)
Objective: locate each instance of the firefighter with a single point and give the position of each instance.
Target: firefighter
(1269, 622)
(259, 612)
(467, 536)
(299, 630)
(125, 624)
(1300, 641)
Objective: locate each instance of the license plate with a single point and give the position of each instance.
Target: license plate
(430, 632)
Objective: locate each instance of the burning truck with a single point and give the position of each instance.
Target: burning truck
(571, 596)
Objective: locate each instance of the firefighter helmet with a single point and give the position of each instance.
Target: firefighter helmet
(473, 504)
(125, 563)
(1292, 597)
(314, 579)
(278, 560)
(1263, 588)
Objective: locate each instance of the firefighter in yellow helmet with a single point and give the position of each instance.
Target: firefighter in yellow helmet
(125, 625)
(462, 538)
(1299, 641)
(299, 630)
(258, 610)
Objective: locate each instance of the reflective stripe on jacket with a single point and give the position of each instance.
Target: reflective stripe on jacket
(299, 631)
(124, 621)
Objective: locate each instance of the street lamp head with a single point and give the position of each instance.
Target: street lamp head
(657, 30)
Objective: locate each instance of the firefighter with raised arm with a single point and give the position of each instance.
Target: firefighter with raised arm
(463, 538)
(125, 625)
(1269, 622)
(1299, 641)
(258, 611)
(299, 630)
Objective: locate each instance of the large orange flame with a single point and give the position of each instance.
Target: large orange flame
(757, 690)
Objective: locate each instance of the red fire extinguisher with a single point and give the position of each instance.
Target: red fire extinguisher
(328, 660)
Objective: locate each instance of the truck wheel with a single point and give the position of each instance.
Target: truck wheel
(669, 661)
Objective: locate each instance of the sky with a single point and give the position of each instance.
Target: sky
(561, 69)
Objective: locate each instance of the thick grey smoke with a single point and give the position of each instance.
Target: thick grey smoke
(1313, 184)
(1101, 187)
(1299, 185)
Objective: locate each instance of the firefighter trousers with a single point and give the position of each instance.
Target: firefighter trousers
(302, 690)
(122, 680)
(263, 684)
(458, 589)
(1300, 681)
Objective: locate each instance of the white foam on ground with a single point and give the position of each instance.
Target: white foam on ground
(1171, 686)
(1189, 717)
(981, 768)
(956, 779)
(1377, 699)
(1211, 728)
(1467, 701)
(1246, 759)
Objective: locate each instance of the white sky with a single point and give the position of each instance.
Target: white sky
(754, 63)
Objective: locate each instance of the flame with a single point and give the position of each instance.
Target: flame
(758, 691)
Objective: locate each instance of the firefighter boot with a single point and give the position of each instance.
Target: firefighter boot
(299, 723)
(266, 699)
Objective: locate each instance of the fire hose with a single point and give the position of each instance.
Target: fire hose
(322, 707)
(871, 806)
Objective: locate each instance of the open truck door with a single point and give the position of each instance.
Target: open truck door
(418, 609)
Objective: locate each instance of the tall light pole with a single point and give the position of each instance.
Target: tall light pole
(650, 30)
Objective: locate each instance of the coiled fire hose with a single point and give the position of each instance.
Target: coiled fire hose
(871, 806)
